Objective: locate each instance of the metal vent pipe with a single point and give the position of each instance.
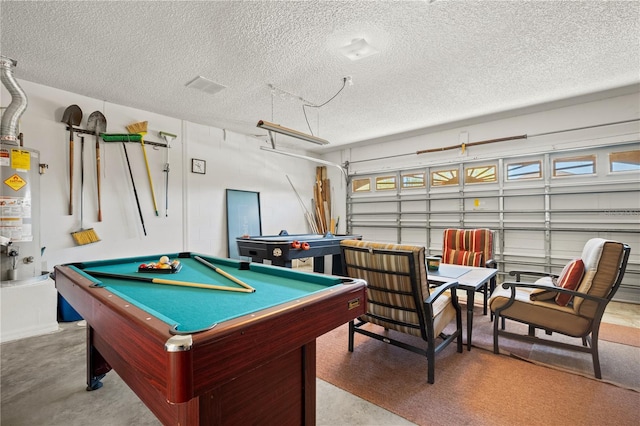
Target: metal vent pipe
(11, 117)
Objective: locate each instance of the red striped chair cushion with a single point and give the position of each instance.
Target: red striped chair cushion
(463, 257)
(473, 240)
(569, 278)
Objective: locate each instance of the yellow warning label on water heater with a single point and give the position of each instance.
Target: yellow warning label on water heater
(15, 182)
(20, 159)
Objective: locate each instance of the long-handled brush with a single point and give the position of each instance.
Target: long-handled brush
(141, 129)
(83, 236)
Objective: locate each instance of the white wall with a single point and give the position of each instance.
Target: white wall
(236, 162)
(196, 218)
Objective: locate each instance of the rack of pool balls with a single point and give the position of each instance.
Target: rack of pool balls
(162, 266)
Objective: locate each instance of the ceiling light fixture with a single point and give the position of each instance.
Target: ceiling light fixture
(358, 49)
(276, 128)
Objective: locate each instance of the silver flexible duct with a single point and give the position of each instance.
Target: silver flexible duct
(10, 118)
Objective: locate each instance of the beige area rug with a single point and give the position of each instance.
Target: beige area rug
(619, 351)
(478, 387)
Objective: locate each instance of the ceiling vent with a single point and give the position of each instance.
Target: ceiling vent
(205, 85)
(358, 49)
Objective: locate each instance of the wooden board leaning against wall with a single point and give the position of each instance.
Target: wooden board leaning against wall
(325, 222)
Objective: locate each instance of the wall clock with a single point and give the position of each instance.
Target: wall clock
(198, 166)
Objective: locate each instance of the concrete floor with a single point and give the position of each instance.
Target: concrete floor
(43, 384)
(622, 314)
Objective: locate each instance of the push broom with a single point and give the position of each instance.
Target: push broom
(83, 236)
(141, 129)
(124, 138)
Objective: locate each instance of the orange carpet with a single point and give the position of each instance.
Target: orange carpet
(476, 387)
(620, 334)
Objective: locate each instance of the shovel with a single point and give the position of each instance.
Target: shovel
(97, 123)
(72, 116)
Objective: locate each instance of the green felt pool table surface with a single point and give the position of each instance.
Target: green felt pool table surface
(190, 309)
(199, 356)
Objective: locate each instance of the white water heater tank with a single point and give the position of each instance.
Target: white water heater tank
(19, 213)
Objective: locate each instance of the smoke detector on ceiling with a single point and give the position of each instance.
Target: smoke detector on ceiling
(206, 85)
(358, 49)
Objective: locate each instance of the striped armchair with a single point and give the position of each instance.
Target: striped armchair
(399, 297)
(471, 247)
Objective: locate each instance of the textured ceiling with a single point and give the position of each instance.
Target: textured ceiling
(438, 62)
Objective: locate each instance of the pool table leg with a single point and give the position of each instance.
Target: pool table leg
(336, 264)
(97, 367)
(318, 264)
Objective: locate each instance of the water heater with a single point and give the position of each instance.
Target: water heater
(19, 213)
(20, 249)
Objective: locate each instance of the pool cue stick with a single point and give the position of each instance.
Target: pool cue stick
(134, 188)
(167, 282)
(223, 273)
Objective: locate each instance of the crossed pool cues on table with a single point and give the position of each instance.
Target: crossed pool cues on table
(246, 288)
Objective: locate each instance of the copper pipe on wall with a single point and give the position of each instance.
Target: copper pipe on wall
(464, 145)
(510, 138)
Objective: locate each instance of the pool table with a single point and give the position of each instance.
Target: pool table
(279, 250)
(208, 356)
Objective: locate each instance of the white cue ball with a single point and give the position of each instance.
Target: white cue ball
(164, 259)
